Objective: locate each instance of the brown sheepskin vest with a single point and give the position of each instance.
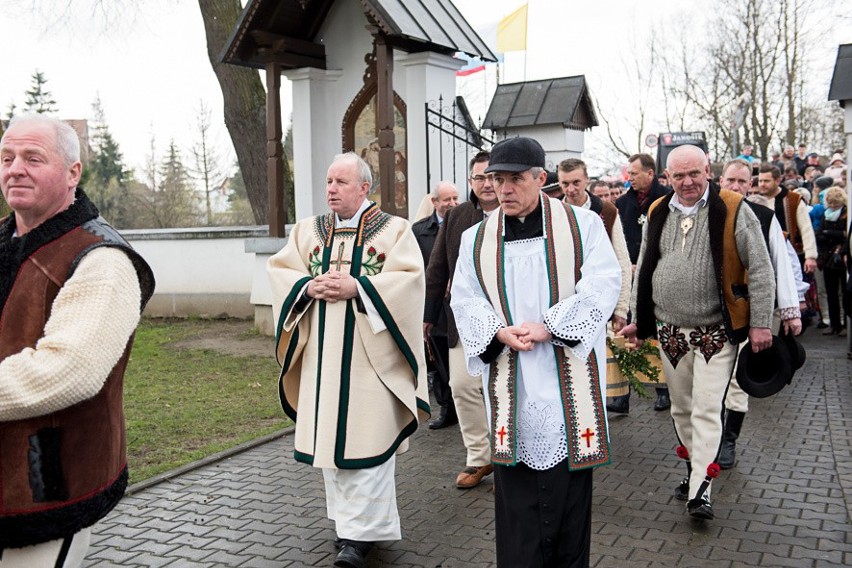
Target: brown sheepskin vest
(786, 205)
(64, 471)
(731, 275)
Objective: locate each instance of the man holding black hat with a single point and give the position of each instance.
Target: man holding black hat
(533, 325)
(702, 252)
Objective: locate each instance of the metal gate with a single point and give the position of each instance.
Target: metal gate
(452, 140)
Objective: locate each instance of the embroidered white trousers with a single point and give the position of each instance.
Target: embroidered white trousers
(697, 389)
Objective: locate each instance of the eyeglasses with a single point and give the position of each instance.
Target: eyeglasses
(481, 178)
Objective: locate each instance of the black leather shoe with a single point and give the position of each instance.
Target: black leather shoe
(682, 490)
(352, 553)
(619, 405)
(662, 402)
(447, 417)
(700, 508)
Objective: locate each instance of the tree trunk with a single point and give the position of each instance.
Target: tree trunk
(245, 105)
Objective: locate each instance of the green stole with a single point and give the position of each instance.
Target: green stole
(579, 382)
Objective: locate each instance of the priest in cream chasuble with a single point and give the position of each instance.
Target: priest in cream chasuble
(533, 289)
(348, 296)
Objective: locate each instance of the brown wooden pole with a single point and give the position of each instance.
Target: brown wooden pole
(275, 153)
(384, 123)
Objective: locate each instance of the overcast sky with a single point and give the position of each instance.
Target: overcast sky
(149, 63)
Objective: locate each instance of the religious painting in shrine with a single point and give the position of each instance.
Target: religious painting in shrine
(360, 135)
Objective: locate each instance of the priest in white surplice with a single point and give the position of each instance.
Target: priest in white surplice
(533, 289)
(348, 294)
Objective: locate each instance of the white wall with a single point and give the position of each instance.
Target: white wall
(320, 99)
(559, 143)
(199, 272)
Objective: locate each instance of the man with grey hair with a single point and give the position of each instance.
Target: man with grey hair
(701, 252)
(533, 326)
(445, 196)
(71, 292)
(348, 295)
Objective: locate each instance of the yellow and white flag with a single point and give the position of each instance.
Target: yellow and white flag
(512, 31)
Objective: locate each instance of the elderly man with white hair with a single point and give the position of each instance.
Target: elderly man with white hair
(71, 292)
(702, 251)
(444, 197)
(348, 295)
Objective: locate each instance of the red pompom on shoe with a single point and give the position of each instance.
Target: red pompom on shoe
(713, 470)
(682, 452)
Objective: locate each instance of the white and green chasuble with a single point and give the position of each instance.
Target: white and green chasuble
(353, 380)
(547, 404)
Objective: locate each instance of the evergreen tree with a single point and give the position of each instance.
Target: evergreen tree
(176, 201)
(105, 177)
(39, 100)
(289, 187)
(166, 199)
(239, 210)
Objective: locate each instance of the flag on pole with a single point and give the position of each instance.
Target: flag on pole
(472, 65)
(512, 31)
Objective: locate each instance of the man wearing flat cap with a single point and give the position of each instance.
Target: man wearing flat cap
(533, 288)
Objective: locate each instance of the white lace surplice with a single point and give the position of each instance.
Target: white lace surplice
(541, 426)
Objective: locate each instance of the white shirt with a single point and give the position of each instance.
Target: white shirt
(786, 292)
(686, 210)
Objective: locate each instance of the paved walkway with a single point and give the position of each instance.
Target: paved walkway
(787, 503)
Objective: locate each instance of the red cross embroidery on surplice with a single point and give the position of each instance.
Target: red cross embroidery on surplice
(501, 433)
(588, 434)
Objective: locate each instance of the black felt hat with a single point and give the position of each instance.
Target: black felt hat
(766, 372)
(551, 185)
(516, 155)
(798, 356)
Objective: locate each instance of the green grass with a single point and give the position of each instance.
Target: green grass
(184, 404)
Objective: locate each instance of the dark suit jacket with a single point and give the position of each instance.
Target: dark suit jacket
(629, 211)
(442, 264)
(426, 231)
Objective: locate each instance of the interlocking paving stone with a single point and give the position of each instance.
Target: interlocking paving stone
(786, 503)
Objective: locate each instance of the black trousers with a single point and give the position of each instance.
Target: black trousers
(835, 286)
(441, 380)
(543, 518)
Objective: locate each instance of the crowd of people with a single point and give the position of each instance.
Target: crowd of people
(814, 179)
(688, 246)
(501, 304)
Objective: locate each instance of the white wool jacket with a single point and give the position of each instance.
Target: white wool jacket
(91, 320)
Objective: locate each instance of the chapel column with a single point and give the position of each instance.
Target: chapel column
(316, 136)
